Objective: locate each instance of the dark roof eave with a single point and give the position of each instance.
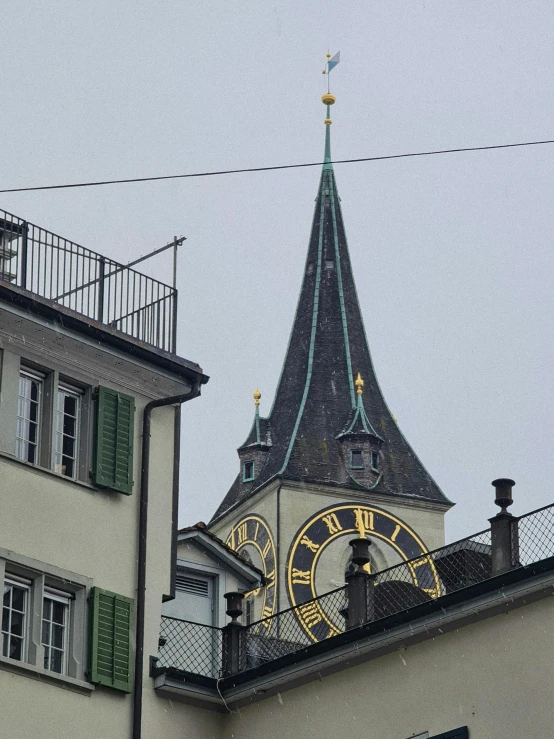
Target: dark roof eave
(53, 311)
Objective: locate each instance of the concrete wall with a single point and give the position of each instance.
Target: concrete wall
(492, 676)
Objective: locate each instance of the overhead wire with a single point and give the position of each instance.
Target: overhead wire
(243, 170)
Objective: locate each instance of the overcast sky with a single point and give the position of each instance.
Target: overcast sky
(452, 254)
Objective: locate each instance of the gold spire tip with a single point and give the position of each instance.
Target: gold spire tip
(359, 384)
(257, 396)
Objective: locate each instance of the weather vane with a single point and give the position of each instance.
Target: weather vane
(331, 64)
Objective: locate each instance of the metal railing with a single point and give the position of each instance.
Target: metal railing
(197, 648)
(86, 282)
(533, 537)
(395, 589)
(190, 647)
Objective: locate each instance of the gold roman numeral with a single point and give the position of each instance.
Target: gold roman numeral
(332, 523)
(395, 532)
(266, 611)
(311, 545)
(270, 579)
(300, 577)
(242, 532)
(310, 614)
(256, 530)
(364, 521)
(265, 550)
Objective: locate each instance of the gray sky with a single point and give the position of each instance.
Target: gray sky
(452, 254)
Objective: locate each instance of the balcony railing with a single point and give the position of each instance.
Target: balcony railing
(198, 648)
(92, 285)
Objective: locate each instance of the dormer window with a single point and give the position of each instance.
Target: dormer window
(248, 471)
(375, 461)
(356, 459)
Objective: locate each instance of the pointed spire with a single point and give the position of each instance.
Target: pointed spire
(318, 393)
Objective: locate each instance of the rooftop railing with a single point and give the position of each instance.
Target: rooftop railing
(199, 648)
(88, 283)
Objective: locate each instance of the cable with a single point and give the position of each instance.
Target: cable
(267, 169)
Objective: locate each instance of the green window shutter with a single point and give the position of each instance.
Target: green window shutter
(111, 650)
(113, 454)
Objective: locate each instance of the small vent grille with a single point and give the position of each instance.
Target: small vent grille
(194, 585)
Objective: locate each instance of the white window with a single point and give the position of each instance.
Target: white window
(29, 416)
(44, 619)
(55, 630)
(15, 610)
(66, 431)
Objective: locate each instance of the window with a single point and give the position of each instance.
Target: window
(375, 461)
(66, 438)
(356, 459)
(14, 618)
(29, 417)
(247, 471)
(44, 615)
(55, 630)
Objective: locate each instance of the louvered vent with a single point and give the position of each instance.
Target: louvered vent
(194, 585)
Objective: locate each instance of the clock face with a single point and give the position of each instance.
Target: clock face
(252, 536)
(318, 546)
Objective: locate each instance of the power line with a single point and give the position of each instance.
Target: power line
(280, 166)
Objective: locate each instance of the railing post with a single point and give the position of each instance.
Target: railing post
(504, 538)
(360, 586)
(232, 635)
(101, 277)
(24, 251)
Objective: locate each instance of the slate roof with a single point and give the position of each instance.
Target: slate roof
(315, 399)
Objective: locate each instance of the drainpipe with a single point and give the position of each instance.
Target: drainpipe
(142, 540)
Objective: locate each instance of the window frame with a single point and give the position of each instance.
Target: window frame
(33, 375)
(244, 466)
(374, 457)
(49, 581)
(25, 585)
(357, 466)
(56, 596)
(52, 383)
(78, 393)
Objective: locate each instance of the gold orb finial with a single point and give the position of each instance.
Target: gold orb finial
(328, 99)
(359, 384)
(328, 55)
(257, 396)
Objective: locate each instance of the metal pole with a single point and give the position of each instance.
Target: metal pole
(24, 247)
(102, 270)
(176, 242)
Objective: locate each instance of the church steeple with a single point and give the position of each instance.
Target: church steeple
(317, 411)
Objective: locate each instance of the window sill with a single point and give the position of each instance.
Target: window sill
(45, 470)
(38, 673)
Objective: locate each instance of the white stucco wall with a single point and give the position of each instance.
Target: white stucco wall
(492, 676)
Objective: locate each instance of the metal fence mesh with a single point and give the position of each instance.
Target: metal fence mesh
(533, 537)
(188, 646)
(294, 629)
(198, 648)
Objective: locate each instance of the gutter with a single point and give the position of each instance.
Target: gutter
(143, 531)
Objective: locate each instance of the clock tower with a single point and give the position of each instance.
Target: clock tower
(329, 462)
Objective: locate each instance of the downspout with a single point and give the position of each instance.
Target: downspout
(142, 540)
